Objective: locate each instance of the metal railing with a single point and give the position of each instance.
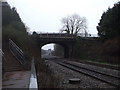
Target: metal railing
(17, 52)
(33, 78)
(2, 62)
(2, 56)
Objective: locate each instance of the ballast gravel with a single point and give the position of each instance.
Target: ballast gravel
(64, 74)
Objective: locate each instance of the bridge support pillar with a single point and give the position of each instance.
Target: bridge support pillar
(71, 51)
(68, 52)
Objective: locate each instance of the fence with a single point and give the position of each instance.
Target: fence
(56, 35)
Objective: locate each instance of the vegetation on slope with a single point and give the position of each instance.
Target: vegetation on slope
(109, 25)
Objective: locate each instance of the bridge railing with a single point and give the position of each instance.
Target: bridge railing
(18, 53)
(56, 35)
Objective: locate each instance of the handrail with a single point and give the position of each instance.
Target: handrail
(33, 78)
(17, 52)
(14, 45)
(1, 52)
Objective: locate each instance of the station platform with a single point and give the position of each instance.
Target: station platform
(16, 79)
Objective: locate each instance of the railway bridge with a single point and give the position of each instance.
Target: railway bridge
(65, 40)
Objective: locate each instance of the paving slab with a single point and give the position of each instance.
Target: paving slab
(16, 79)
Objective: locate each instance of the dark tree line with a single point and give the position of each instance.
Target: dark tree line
(9, 14)
(11, 17)
(12, 26)
(109, 25)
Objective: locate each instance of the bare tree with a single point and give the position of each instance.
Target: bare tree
(74, 24)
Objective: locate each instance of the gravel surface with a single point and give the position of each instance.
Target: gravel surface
(65, 74)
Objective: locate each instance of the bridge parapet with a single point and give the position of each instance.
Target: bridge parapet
(56, 35)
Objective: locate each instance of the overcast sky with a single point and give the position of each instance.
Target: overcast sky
(46, 15)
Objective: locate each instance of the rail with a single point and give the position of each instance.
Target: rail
(17, 52)
(33, 78)
(107, 78)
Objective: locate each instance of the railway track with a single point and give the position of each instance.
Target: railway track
(93, 70)
(102, 76)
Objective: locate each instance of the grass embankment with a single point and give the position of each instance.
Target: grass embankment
(95, 50)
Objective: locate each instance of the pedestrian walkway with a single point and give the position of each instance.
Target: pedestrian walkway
(16, 79)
